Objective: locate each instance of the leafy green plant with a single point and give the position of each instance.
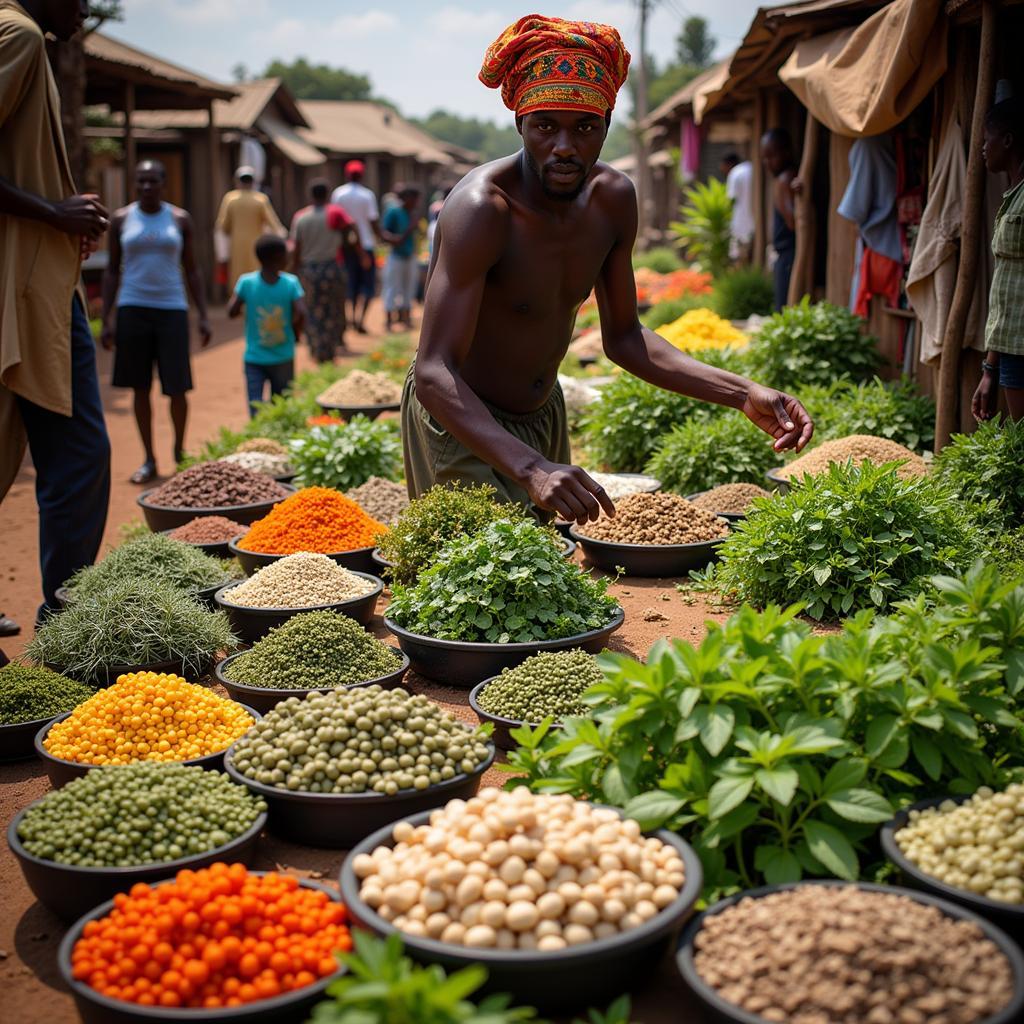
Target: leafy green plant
(392, 356)
(743, 292)
(856, 536)
(661, 259)
(778, 752)
(435, 519)
(623, 427)
(666, 311)
(705, 452)
(893, 409)
(383, 986)
(283, 417)
(988, 465)
(507, 583)
(347, 455)
(704, 228)
(812, 344)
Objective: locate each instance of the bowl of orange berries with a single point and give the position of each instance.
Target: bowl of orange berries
(219, 944)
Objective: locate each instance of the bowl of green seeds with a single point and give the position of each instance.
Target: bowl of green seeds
(97, 836)
(31, 697)
(549, 685)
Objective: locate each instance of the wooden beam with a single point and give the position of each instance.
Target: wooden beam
(129, 142)
(760, 213)
(970, 237)
(801, 281)
(211, 200)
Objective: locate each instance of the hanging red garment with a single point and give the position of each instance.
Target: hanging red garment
(879, 275)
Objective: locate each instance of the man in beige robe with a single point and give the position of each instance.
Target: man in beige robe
(49, 392)
(245, 214)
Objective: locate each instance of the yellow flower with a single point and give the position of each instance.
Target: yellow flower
(701, 329)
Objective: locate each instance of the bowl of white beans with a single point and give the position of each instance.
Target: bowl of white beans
(566, 903)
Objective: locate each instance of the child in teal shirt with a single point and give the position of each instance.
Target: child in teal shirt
(274, 315)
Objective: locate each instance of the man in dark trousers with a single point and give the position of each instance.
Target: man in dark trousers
(49, 392)
(520, 244)
(777, 157)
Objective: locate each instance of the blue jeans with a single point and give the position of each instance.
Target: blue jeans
(1011, 370)
(278, 374)
(71, 455)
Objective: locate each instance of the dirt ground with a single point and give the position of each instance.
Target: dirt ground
(30, 934)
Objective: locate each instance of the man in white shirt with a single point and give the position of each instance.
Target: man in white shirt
(739, 184)
(360, 204)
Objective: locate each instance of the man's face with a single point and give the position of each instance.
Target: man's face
(63, 18)
(411, 200)
(562, 147)
(773, 156)
(996, 149)
(149, 184)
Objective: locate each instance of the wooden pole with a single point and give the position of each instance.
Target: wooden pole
(760, 213)
(970, 237)
(129, 142)
(801, 281)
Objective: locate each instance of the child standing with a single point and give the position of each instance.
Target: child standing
(274, 315)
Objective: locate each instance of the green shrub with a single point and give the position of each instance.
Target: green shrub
(988, 466)
(507, 583)
(662, 259)
(435, 518)
(347, 456)
(705, 225)
(850, 538)
(892, 409)
(707, 451)
(806, 345)
(623, 427)
(665, 312)
(743, 292)
(779, 752)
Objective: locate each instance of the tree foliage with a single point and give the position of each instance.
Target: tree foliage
(488, 139)
(694, 44)
(320, 81)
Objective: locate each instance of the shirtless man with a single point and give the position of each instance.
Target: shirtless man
(519, 246)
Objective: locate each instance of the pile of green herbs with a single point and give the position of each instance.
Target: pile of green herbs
(742, 293)
(154, 557)
(435, 519)
(854, 537)
(507, 583)
(133, 623)
(778, 752)
(29, 693)
(347, 455)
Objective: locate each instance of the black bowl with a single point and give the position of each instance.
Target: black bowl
(659, 560)
(779, 483)
(215, 549)
(59, 771)
(264, 698)
(729, 517)
(722, 1010)
(250, 624)
(465, 663)
(17, 741)
(587, 975)
(93, 1008)
(502, 726)
(358, 560)
(69, 890)
(371, 412)
(163, 517)
(568, 550)
(337, 821)
(108, 673)
(286, 478)
(1008, 916)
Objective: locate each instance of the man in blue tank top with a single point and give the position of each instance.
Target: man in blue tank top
(145, 309)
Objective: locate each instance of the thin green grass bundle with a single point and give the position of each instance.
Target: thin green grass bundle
(134, 622)
(154, 557)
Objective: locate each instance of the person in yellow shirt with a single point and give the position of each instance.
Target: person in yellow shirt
(49, 390)
(246, 214)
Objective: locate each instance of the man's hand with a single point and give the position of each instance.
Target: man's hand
(81, 215)
(107, 335)
(983, 404)
(205, 334)
(567, 491)
(780, 415)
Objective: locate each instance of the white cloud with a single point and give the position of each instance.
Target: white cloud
(347, 26)
(452, 20)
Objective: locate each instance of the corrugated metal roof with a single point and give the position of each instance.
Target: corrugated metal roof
(105, 48)
(362, 126)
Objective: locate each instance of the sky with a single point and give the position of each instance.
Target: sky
(422, 55)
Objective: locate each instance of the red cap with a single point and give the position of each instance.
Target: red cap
(355, 167)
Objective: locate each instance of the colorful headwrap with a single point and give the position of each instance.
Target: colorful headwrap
(550, 64)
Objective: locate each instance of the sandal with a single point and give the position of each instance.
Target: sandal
(8, 627)
(145, 473)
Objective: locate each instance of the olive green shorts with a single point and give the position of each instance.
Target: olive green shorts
(433, 456)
